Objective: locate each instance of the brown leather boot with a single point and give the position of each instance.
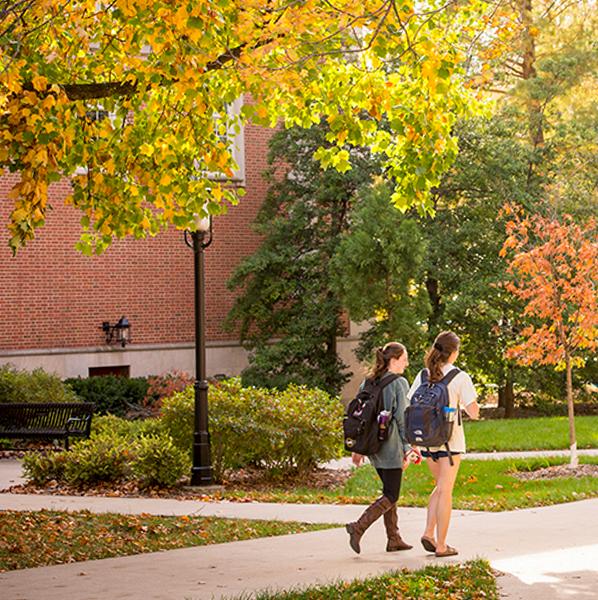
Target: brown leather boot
(391, 522)
(373, 512)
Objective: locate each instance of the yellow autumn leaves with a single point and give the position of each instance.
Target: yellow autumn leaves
(131, 99)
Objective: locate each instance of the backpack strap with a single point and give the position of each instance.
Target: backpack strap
(385, 380)
(447, 379)
(424, 375)
(382, 383)
(450, 376)
(448, 452)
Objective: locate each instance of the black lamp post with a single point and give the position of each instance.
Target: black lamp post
(202, 473)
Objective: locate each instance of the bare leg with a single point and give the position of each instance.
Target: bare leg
(430, 530)
(441, 499)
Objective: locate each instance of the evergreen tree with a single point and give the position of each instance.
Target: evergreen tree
(375, 273)
(288, 317)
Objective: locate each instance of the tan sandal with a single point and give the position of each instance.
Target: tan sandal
(448, 552)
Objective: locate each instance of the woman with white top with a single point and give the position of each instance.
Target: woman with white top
(439, 362)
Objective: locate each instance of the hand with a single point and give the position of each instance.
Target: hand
(414, 455)
(357, 459)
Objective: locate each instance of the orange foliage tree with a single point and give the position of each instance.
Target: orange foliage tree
(555, 271)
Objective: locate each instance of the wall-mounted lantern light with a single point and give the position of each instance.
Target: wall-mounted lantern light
(119, 333)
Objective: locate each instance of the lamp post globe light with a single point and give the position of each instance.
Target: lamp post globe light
(202, 473)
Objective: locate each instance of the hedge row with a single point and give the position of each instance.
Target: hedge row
(32, 386)
(137, 397)
(118, 451)
(284, 431)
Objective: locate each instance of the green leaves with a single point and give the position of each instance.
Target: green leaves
(285, 431)
(376, 272)
(167, 81)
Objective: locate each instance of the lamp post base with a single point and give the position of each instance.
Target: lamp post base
(202, 476)
(203, 490)
(202, 472)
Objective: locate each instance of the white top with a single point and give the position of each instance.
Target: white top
(461, 392)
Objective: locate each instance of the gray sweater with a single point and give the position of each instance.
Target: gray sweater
(392, 452)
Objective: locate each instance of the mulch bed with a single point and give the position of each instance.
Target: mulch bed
(244, 480)
(255, 480)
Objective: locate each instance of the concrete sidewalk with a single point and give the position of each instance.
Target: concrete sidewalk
(545, 553)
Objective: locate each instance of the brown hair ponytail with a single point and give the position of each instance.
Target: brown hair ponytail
(444, 345)
(383, 356)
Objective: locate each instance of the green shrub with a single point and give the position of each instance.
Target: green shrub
(42, 468)
(313, 426)
(101, 458)
(111, 424)
(117, 451)
(157, 461)
(176, 418)
(283, 431)
(32, 386)
(112, 395)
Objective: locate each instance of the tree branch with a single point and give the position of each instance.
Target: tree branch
(99, 90)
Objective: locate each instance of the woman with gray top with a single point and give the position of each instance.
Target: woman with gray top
(390, 460)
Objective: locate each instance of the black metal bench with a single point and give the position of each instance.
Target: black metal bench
(46, 420)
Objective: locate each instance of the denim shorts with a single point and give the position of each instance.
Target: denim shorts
(438, 454)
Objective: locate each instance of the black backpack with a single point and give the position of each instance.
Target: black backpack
(426, 421)
(360, 425)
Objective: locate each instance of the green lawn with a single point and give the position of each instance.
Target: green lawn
(490, 485)
(473, 580)
(481, 485)
(542, 433)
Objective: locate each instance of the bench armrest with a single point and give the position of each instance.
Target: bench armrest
(70, 420)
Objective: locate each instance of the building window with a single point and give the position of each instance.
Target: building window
(234, 138)
(119, 371)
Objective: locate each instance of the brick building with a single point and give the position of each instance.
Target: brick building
(53, 300)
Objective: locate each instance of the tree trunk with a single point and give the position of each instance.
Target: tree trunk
(570, 411)
(534, 105)
(502, 396)
(509, 395)
(434, 296)
(506, 395)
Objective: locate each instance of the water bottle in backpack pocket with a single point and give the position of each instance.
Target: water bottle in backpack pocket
(383, 425)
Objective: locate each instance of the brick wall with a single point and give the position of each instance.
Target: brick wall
(53, 297)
